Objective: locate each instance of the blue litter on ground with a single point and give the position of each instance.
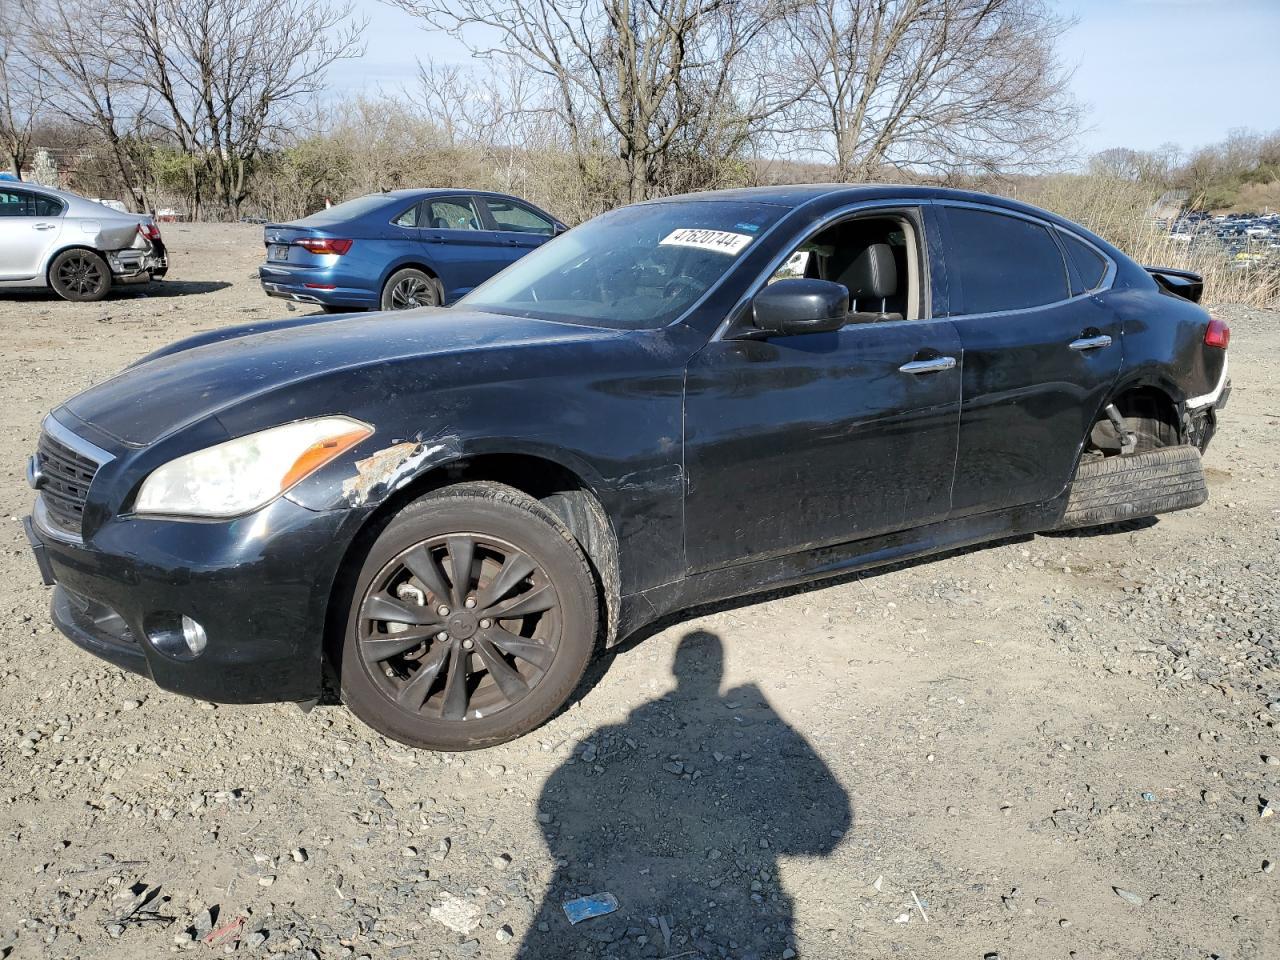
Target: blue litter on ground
(1149, 797)
(584, 908)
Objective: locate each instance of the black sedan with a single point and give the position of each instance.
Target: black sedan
(678, 402)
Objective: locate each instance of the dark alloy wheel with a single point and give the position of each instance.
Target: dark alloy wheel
(410, 288)
(79, 275)
(473, 620)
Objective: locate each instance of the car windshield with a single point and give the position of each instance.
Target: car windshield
(637, 268)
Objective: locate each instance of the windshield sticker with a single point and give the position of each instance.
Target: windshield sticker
(719, 241)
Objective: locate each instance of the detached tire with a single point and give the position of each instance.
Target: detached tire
(409, 288)
(472, 620)
(1111, 489)
(80, 276)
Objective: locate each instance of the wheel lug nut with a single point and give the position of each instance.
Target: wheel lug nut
(486, 623)
(442, 610)
(467, 644)
(442, 635)
(471, 602)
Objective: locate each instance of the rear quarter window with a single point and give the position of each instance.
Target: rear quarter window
(997, 263)
(1090, 265)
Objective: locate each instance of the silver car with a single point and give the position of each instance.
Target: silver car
(50, 238)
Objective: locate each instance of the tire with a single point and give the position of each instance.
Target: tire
(1111, 489)
(410, 288)
(401, 676)
(80, 276)
(327, 308)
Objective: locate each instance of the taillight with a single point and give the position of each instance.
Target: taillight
(324, 245)
(149, 231)
(1217, 334)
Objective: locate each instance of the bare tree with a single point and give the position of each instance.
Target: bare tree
(23, 90)
(227, 73)
(937, 86)
(636, 77)
(92, 78)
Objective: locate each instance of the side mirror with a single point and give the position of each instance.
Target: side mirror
(558, 229)
(789, 307)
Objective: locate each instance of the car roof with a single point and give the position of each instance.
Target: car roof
(798, 194)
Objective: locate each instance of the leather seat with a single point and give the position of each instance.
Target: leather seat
(872, 279)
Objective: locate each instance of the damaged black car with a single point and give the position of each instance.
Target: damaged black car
(681, 401)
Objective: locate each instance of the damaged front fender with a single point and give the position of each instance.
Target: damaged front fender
(375, 475)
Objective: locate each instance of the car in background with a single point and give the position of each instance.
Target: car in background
(76, 246)
(400, 249)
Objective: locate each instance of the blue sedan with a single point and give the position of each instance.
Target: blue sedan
(401, 249)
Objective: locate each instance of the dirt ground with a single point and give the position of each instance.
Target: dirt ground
(969, 757)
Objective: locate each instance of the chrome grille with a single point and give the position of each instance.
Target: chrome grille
(64, 478)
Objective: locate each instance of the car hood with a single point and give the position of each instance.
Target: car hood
(196, 378)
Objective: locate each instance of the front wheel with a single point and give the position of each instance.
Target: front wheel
(472, 620)
(409, 288)
(79, 275)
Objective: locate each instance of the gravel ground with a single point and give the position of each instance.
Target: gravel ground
(1057, 746)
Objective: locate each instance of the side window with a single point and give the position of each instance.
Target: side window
(454, 213)
(874, 257)
(996, 263)
(518, 218)
(1089, 264)
(47, 206)
(409, 218)
(19, 203)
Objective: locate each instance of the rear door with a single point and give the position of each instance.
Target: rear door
(29, 227)
(520, 227)
(459, 243)
(1040, 354)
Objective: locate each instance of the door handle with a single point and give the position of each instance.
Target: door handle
(1090, 343)
(933, 365)
(433, 238)
(42, 226)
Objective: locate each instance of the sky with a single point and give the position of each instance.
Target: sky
(1149, 71)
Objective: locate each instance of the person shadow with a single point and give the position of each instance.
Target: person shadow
(682, 812)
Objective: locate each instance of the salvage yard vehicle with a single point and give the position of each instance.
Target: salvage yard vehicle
(681, 401)
(77, 247)
(401, 249)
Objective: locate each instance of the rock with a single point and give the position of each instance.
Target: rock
(1271, 761)
(442, 849)
(502, 861)
(255, 940)
(1210, 796)
(455, 913)
(674, 766)
(504, 934)
(266, 881)
(1268, 866)
(1128, 896)
(299, 855)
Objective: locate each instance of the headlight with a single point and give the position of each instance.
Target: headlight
(243, 474)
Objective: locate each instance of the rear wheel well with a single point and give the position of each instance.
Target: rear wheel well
(562, 491)
(1149, 414)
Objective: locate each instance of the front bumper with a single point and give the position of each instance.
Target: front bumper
(259, 586)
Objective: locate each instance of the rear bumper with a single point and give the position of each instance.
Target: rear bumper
(258, 586)
(138, 265)
(293, 285)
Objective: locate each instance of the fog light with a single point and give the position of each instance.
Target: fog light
(194, 635)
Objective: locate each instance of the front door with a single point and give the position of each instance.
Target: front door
(520, 228)
(794, 442)
(460, 244)
(1038, 360)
